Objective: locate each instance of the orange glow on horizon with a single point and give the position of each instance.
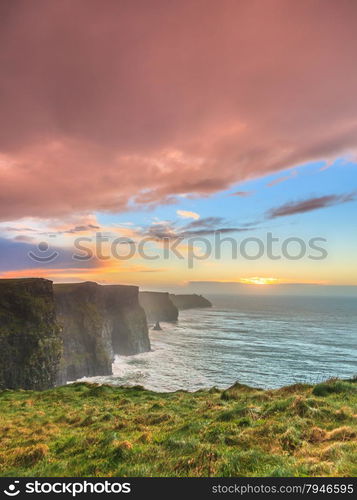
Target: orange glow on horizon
(258, 280)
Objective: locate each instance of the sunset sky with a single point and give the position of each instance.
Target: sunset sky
(157, 119)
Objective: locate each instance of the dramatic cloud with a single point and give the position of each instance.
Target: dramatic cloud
(299, 207)
(108, 105)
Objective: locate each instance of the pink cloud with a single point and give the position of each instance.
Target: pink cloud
(283, 178)
(103, 104)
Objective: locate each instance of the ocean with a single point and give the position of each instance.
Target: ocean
(262, 341)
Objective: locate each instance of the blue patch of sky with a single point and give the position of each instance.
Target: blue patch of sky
(303, 182)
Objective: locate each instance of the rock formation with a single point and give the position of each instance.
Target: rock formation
(158, 306)
(30, 345)
(189, 301)
(87, 347)
(54, 334)
(128, 320)
(98, 322)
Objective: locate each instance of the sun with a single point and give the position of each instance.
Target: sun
(259, 280)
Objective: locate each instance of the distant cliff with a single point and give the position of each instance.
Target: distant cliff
(129, 330)
(158, 306)
(30, 346)
(189, 301)
(98, 322)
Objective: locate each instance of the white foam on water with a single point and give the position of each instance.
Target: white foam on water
(266, 343)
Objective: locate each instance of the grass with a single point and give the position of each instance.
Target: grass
(97, 430)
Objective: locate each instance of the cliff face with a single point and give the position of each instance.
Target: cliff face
(190, 301)
(48, 338)
(129, 331)
(30, 345)
(85, 331)
(158, 306)
(98, 322)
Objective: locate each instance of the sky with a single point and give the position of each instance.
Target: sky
(179, 144)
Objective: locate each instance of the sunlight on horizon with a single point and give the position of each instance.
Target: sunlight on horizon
(259, 280)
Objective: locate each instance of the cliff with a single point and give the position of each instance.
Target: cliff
(87, 348)
(189, 301)
(98, 322)
(129, 332)
(30, 346)
(158, 306)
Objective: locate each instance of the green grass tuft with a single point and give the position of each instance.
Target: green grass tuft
(335, 386)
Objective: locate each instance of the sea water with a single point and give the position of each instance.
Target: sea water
(261, 341)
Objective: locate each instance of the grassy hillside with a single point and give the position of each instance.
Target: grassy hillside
(92, 430)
